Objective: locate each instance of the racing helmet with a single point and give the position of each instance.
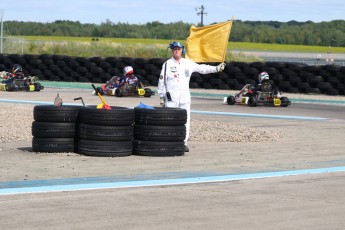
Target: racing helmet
(17, 68)
(263, 76)
(128, 70)
(172, 45)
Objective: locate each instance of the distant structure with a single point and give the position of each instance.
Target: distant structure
(202, 13)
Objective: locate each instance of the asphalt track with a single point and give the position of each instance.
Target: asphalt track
(293, 183)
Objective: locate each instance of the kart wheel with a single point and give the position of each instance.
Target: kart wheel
(252, 101)
(148, 92)
(38, 86)
(118, 93)
(230, 100)
(10, 87)
(284, 102)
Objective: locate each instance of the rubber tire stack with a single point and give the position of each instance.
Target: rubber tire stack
(159, 131)
(54, 127)
(105, 133)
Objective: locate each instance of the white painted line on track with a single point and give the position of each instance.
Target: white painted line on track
(257, 115)
(165, 182)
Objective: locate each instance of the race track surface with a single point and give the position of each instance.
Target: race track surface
(295, 182)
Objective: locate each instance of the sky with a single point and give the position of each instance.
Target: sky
(143, 11)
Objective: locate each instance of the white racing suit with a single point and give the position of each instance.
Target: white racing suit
(176, 82)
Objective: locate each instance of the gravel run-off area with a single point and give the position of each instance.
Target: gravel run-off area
(19, 118)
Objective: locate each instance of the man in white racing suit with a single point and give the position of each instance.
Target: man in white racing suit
(174, 81)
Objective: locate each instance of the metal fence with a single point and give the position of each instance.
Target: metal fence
(12, 45)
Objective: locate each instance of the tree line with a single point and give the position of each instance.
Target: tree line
(292, 32)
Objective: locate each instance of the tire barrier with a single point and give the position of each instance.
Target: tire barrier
(159, 131)
(297, 77)
(105, 133)
(118, 132)
(54, 128)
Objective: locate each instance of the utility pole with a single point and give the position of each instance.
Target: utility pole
(202, 13)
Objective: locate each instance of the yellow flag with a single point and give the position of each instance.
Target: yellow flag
(208, 43)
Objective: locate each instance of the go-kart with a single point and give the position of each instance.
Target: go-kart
(9, 83)
(120, 87)
(252, 97)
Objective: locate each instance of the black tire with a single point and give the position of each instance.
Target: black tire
(53, 129)
(333, 92)
(158, 149)
(312, 91)
(284, 102)
(252, 101)
(26, 88)
(148, 92)
(38, 86)
(10, 87)
(51, 113)
(230, 100)
(117, 116)
(118, 92)
(193, 85)
(160, 116)
(53, 145)
(315, 79)
(159, 133)
(105, 133)
(324, 86)
(105, 148)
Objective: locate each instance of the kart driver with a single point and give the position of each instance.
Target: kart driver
(17, 72)
(117, 81)
(128, 73)
(265, 85)
(173, 84)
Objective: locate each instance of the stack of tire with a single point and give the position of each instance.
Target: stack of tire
(105, 133)
(54, 128)
(159, 131)
(292, 77)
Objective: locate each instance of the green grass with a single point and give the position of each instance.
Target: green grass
(143, 48)
(231, 45)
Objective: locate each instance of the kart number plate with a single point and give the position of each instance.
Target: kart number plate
(244, 100)
(277, 102)
(32, 87)
(141, 92)
(2, 87)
